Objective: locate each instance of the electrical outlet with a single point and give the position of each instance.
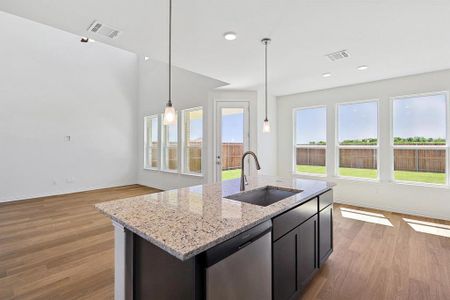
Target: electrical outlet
(70, 180)
(67, 138)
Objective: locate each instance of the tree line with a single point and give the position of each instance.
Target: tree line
(417, 140)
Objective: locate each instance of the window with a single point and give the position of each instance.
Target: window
(419, 138)
(151, 155)
(358, 139)
(169, 153)
(193, 140)
(310, 140)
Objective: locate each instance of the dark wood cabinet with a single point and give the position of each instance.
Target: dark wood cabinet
(325, 233)
(295, 260)
(307, 251)
(285, 284)
(302, 241)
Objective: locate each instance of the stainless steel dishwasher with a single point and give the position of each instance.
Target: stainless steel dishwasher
(241, 267)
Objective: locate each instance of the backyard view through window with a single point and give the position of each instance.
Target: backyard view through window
(151, 157)
(193, 138)
(310, 140)
(232, 142)
(358, 139)
(419, 138)
(170, 146)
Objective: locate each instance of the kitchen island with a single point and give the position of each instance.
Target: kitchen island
(166, 242)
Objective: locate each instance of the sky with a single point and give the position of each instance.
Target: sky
(233, 128)
(413, 116)
(311, 125)
(420, 116)
(196, 129)
(357, 121)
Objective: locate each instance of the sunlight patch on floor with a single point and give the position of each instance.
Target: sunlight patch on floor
(365, 216)
(429, 227)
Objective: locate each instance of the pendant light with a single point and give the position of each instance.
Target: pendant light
(169, 112)
(266, 125)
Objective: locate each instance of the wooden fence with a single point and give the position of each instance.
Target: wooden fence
(231, 156)
(418, 160)
(358, 158)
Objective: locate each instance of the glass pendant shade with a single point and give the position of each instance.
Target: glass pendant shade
(266, 126)
(169, 115)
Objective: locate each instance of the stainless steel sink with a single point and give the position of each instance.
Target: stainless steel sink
(264, 196)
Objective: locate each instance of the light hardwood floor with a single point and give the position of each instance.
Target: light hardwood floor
(59, 247)
(62, 248)
(384, 261)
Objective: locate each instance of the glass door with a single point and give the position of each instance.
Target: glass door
(232, 132)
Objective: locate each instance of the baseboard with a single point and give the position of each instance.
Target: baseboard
(396, 210)
(50, 194)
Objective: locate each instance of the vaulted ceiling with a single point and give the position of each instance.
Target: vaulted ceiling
(394, 38)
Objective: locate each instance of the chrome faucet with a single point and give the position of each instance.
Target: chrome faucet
(243, 177)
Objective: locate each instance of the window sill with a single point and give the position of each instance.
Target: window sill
(174, 172)
(393, 182)
(310, 174)
(420, 184)
(192, 174)
(151, 169)
(376, 180)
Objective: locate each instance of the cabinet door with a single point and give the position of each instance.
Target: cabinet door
(325, 233)
(285, 283)
(307, 251)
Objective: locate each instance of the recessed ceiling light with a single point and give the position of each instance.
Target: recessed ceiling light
(230, 36)
(326, 75)
(146, 58)
(362, 68)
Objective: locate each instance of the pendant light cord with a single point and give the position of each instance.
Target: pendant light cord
(265, 74)
(170, 53)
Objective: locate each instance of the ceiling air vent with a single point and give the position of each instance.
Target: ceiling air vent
(104, 30)
(338, 55)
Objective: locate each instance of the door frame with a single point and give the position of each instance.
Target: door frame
(218, 135)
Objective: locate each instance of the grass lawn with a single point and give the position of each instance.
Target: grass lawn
(360, 173)
(311, 169)
(231, 174)
(425, 177)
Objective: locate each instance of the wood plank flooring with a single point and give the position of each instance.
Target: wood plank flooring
(390, 260)
(61, 248)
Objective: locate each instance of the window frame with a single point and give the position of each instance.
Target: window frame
(163, 129)
(294, 142)
(393, 147)
(147, 165)
(184, 159)
(338, 146)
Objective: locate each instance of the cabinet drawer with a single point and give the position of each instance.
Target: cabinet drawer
(294, 217)
(325, 199)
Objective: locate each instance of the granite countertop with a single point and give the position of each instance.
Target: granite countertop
(188, 221)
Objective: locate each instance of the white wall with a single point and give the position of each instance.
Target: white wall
(189, 90)
(267, 142)
(419, 200)
(52, 86)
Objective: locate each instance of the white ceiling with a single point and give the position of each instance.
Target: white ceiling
(394, 38)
